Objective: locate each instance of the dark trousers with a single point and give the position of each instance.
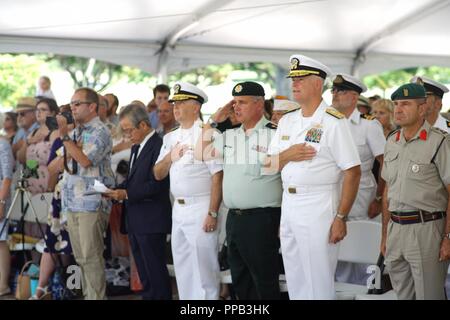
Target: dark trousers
(253, 244)
(149, 252)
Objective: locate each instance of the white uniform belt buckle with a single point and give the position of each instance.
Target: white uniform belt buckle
(292, 190)
(181, 201)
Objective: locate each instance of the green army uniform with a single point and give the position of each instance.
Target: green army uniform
(417, 173)
(254, 200)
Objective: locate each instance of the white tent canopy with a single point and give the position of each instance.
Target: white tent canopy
(353, 36)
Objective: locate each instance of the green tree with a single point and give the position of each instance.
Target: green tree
(88, 72)
(18, 77)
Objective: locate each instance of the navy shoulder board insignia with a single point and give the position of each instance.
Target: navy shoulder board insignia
(334, 113)
(271, 125)
(368, 116)
(448, 123)
(175, 128)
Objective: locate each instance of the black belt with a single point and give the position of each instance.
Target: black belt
(416, 216)
(240, 212)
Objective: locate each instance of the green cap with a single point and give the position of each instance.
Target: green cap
(409, 91)
(248, 88)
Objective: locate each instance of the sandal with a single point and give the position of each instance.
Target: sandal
(45, 294)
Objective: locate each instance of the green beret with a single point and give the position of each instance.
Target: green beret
(248, 88)
(409, 91)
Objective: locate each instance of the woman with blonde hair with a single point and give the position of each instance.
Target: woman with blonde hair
(383, 110)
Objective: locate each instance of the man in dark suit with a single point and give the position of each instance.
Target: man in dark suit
(147, 204)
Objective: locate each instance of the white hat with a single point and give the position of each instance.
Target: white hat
(431, 86)
(284, 105)
(348, 82)
(302, 66)
(185, 91)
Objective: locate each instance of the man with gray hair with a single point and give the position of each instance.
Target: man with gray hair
(146, 203)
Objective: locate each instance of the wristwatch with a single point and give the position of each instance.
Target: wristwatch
(343, 217)
(447, 236)
(66, 138)
(378, 198)
(212, 123)
(3, 202)
(213, 214)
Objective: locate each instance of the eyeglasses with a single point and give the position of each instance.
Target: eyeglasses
(128, 131)
(78, 103)
(23, 113)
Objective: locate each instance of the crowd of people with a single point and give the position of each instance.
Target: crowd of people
(271, 175)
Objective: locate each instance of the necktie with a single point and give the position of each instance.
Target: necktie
(134, 153)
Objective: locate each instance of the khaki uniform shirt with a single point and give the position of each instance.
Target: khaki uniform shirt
(245, 186)
(417, 172)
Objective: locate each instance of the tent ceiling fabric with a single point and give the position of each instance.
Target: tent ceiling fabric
(359, 36)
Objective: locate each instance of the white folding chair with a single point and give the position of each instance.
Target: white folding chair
(361, 245)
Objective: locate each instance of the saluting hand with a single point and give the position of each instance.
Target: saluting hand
(338, 230)
(444, 253)
(301, 152)
(223, 113)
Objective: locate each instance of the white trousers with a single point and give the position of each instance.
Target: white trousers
(309, 259)
(195, 252)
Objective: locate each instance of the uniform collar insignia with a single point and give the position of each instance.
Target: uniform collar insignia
(423, 135)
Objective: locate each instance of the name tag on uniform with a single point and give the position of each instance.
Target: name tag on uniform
(314, 135)
(285, 138)
(259, 148)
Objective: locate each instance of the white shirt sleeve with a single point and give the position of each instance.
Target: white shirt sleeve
(275, 143)
(375, 138)
(166, 147)
(342, 146)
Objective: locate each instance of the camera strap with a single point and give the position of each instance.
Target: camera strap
(74, 163)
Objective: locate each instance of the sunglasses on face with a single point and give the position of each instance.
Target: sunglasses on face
(78, 103)
(23, 113)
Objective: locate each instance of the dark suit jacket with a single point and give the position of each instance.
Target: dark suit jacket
(148, 209)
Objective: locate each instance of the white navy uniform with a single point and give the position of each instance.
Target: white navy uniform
(311, 194)
(370, 141)
(195, 252)
(442, 124)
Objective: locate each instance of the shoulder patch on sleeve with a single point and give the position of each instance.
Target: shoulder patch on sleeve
(368, 116)
(271, 125)
(333, 112)
(293, 110)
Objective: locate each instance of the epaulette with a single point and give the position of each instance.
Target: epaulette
(175, 128)
(439, 130)
(271, 125)
(368, 116)
(448, 123)
(291, 111)
(334, 113)
(391, 133)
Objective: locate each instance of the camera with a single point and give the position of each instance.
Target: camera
(52, 124)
